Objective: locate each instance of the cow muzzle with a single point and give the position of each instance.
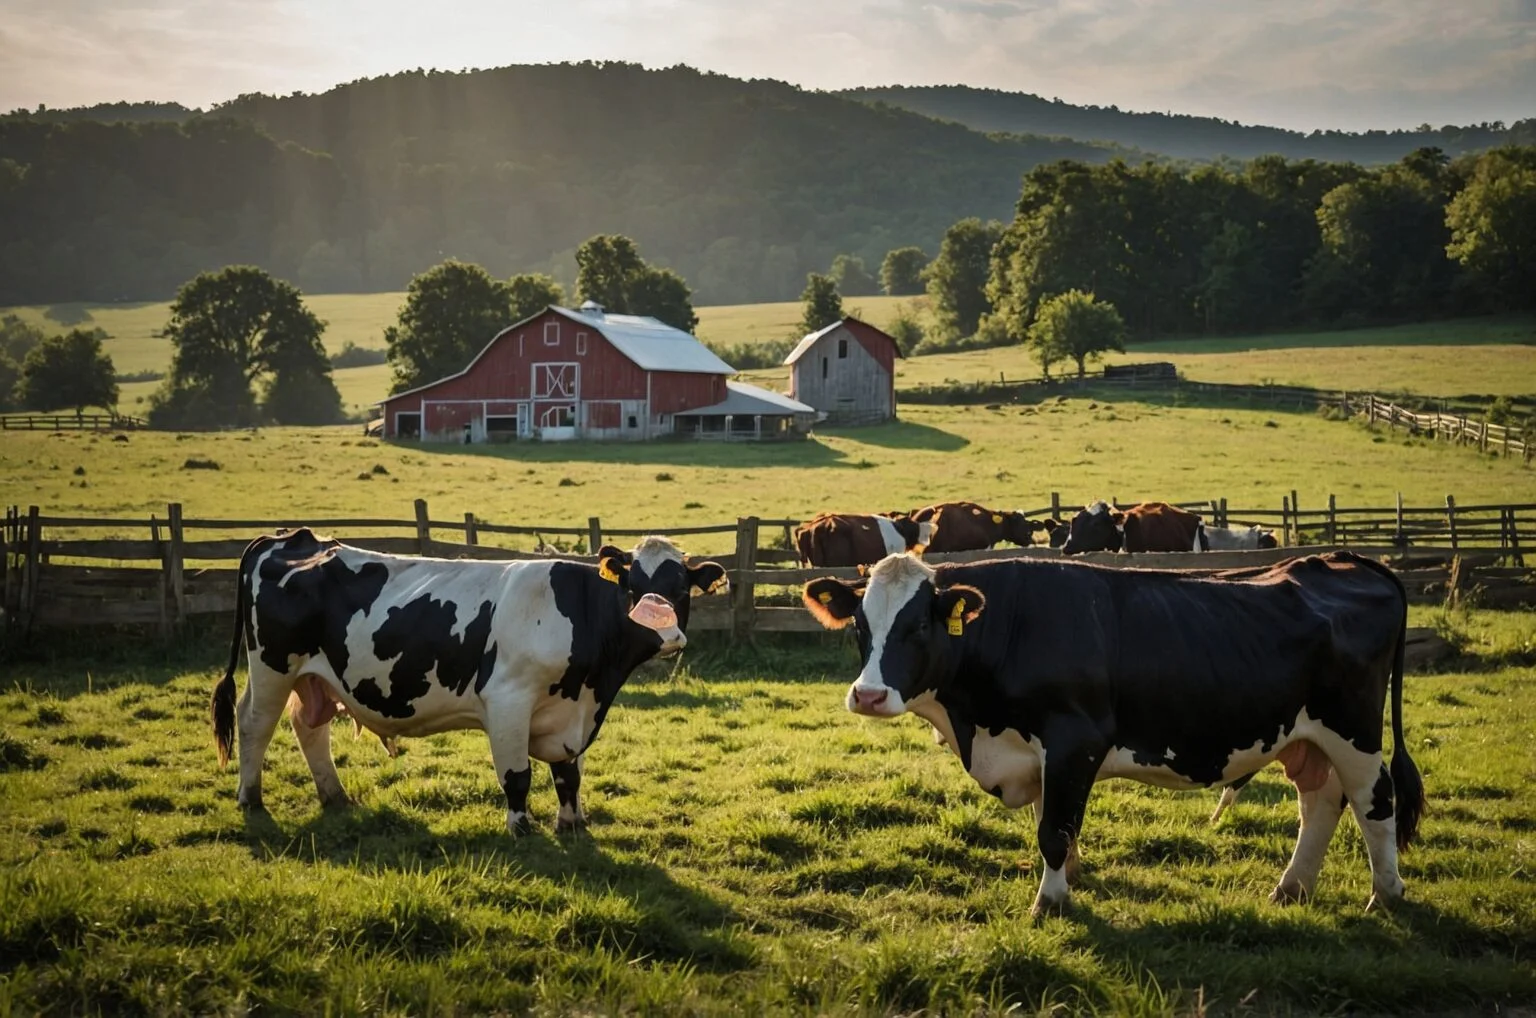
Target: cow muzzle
(672, 641)
(874, 701)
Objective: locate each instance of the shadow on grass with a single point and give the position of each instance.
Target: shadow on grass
(664, 920)
(1487, 331)
(661, 452)
(902, 435)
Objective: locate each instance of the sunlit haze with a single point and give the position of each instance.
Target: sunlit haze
(1302, 64)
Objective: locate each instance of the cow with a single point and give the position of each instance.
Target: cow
(531, 652)
(1150, 526)
(1056, 532)
(657, 566)
(966, 526)
(1044, 677)
(1236, 538)
(846, 539)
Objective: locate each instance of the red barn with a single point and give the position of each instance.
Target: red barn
(564, 374)
(847, 371)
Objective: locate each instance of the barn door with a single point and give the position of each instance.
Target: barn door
(556, 395)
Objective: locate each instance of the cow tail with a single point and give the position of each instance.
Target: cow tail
(223, 704)
(1407, 785)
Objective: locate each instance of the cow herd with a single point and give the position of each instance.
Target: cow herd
(854, 539)
(1041, 676)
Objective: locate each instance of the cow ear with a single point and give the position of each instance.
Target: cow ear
(956, 605)
(609, 551)
(612, 568)
(1117, 518)
(709, 578)
(831, 602)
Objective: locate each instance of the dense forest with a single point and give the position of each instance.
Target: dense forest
(1180, 136)
(741, 186)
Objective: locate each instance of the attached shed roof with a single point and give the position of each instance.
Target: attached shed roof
(652, 345)
(811, 340)
(745, 399)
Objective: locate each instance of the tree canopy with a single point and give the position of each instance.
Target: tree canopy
(851, 277)
(901, 272)
(69, 372)
(451, 312)
(531, 293)
(231, 329)
(822, 303)
(957, 278)
(610, 271)
(1074, 326)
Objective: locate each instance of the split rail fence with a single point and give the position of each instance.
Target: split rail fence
(161, 572)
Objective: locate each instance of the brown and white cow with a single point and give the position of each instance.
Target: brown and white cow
(1150, 526)
(968, 526)
(849, 539)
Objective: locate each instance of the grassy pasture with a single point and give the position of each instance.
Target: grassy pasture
(1011, 456)
(754, 848)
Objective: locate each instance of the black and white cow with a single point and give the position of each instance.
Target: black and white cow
(1235, 538)
(657, 566)
(1046, 677)
(531, 652)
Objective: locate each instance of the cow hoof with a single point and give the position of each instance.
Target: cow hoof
(335, 802)
(1290, 894)
(519, 824)
(1384, 901)
(571, 826)
(251, 802)
(1050, 907)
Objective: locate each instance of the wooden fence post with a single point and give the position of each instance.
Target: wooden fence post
(163, 587)
(175, 571)
(1400, 538)
(1455, 582)
(1450, 517)
(1514, 538)
(1055, 505)
(8, 599)
(1285, 521)
(743, 589)
(1333, 519)
(471, 535)
(33, 562)
(423, 528)
(1296, 515)
(594, 534)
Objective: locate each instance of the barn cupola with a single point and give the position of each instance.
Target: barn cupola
(591, 308)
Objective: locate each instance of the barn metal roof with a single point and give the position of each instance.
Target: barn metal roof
(742, 398)
(810, 341)
(653, 345)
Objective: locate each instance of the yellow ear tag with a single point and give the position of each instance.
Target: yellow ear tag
(956, 622)
(825, 597)
(997, 518)
(606, 572)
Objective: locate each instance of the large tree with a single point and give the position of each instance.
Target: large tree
(231, 329)
(451, 311)
(531, 293)
(957, 278)
(901, 273)
(851, 277)
(822, 303)
(68, 372)
(1075, 326)
(1493, 226)
(610, 272)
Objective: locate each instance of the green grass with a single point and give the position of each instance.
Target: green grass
(754, 848)
(1009, 456)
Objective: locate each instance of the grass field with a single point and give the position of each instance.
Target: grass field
(754, 848)
(1011, 456)
(1494, 356)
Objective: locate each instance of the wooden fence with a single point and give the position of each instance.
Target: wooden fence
(1458, 428)
(70, 422)
(168, 570)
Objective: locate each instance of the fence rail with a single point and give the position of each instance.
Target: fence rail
(160, 578)
(70, 422)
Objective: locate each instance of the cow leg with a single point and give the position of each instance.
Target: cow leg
(507, 726)
(315, 742)
(1368, 787)
(1067, 781)
(567, 775)
(256, 718)
(1074, 864)
(1320, 811)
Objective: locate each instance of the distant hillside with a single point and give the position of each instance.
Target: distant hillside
(1178, 135)
(743, 186)
(108, 113)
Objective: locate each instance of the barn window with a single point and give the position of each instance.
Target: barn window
(408, 425)
(551, 333)
(823, 367)
(581, 343)
(842, 349)
(634, 422)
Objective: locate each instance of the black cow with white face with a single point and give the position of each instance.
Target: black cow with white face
(657, 566)
(533, 653)
(1045, 677)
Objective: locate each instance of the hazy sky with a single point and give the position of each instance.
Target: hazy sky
(1303, 64)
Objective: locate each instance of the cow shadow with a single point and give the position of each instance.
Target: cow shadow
(573, 875)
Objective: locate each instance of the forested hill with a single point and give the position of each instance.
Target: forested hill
(742, 186)
(1178, 135)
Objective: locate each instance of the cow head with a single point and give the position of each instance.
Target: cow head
(1019, 529)
(1266, 538)
(916, 535)
(1096, 528)
(657, 566)
(1055, 532)
(906, 624)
